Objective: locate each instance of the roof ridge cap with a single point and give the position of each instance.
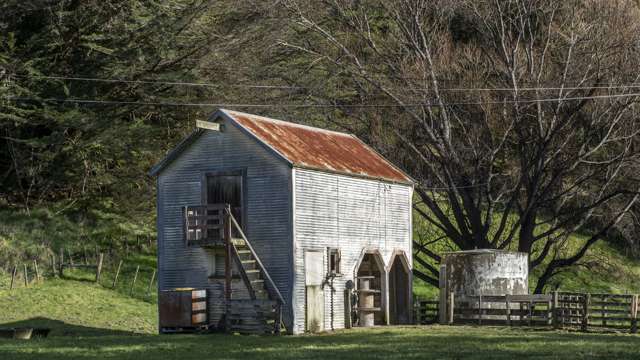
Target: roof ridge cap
(288, 123)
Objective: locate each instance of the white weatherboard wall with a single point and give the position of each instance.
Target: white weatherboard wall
(351, 214)
(268, 222)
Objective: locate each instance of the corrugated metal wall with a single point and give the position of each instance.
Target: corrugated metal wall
(351, 214)
(268, 223)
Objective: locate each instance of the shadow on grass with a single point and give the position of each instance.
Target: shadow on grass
(60, 328)
(379, 343)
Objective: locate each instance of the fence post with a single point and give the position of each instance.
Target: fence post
(416, 309)
(634, 314)
(26, 276)
(13, 276)
(442, 284)
(135, 277)
(70, 257)
(61, 261)
(452, 307)
(585, 311)
(53, 265)
(507, 301)
(153, 277)
(115, 279)
(99, 266)
(35, 267)
(555, 310)
(480, 309)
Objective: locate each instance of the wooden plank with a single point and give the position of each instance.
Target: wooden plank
(199, 306)
(198, 318)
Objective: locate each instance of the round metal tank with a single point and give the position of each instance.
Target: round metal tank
(486, 272)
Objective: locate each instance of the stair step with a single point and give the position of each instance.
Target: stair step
(249, 264)
(238, 242)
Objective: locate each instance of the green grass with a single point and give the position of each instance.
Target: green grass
(72, 307)
(433, 342)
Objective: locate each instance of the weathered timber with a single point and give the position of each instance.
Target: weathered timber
(26, 276)
(115, 278)
(99, 267)
(13, 276)
(135, 277)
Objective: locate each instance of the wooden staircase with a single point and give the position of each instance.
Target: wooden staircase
(262, 312)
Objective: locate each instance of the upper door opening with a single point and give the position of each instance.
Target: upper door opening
(226, 188)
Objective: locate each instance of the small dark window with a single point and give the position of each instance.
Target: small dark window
(334, 261)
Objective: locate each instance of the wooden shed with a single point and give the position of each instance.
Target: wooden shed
(284, 223)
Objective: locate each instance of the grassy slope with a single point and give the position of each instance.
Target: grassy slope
(380, 343)
(72, 307)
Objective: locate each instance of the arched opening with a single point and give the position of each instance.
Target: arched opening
(399, 291)
(370, 289)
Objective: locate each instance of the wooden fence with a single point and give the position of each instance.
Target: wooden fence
(425, 311)
(559, 309)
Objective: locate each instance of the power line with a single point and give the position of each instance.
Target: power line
(198, 84)
(158, 82)
(425, 104)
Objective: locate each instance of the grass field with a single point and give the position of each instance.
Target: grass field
(92, 322)
(433, 342)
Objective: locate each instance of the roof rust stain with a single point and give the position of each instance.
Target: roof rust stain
(320, 149)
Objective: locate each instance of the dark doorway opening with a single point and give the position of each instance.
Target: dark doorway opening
(227, 188)
(370, 290)
(399, 293)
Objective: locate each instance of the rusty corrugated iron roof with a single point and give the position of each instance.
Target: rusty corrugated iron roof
(319, 149)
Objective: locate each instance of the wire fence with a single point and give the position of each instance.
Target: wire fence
(127, 268)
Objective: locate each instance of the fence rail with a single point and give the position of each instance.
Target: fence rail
(558, 309)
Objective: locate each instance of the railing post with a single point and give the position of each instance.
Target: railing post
(227, 260)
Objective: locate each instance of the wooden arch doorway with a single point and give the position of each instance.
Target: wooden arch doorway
(399, 289)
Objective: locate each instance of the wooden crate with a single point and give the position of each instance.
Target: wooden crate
(182, 310)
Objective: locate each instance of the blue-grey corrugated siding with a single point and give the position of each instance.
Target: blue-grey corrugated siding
(268, 224)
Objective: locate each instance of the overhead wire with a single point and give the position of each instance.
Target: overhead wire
(268, 86)
(316, 105)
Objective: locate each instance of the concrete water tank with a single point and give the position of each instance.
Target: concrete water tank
(486, 272)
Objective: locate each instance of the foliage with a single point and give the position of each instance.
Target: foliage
(497, 109)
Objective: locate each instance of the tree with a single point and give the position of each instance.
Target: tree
(512, 115)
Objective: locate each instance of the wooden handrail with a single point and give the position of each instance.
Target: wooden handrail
(270, 282)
